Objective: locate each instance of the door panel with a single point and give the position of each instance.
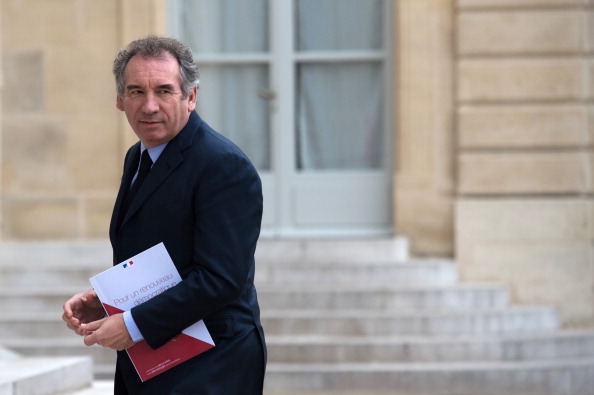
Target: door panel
(302, 93)
(234, 89)
(341, 200)
(340, 116)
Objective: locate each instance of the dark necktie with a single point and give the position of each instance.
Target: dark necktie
(145, 165)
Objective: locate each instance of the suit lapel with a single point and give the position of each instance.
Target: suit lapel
(168, 161)
(130, 165)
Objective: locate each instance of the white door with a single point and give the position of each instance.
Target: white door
(301, 87)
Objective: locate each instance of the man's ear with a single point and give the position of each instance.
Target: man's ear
(192, 99)
(119, 103)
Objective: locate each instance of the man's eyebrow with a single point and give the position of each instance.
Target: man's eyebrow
(169, 87)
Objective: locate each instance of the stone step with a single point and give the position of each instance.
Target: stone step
(42, 276)
(297, 251)
(36, 299)
(62, 346)
(343, 322)
(515, 347)
(98, 252)
(473, 296)
(55, 253)
(424, 272)
(428, 322)
(337, 349)
(67, 264)
(372, 297)
(105, 387)
(98, 387)
(571, 376)
(44, 376)
(341, 317)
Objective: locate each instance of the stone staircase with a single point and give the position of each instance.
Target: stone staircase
(44, 376)
(341, 317)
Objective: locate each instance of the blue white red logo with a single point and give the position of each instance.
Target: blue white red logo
(130, 263)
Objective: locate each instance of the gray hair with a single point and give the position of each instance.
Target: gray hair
(153, 47)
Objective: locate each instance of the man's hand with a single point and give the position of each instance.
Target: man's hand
(82, 308)
(110, 332)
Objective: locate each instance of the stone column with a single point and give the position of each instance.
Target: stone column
(424, 174)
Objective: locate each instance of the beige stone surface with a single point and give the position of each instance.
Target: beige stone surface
(34, 154)
(45, 375)
(93, 153)
(590, 29)
(505, 80)
(518, 3)
(29, 23)
(525, 219)
(542, 248)
(590, 73)
(550, 273)
(41, 218)
(525, 173)
(23, 91)
(424, 179)
(63, 139)
(524, 126)
(521, 32)
(97, 216)
(142, 17)
(428, 222)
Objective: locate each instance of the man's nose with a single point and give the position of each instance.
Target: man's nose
(150, 105)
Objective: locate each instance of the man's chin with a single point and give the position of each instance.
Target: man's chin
(153, 138)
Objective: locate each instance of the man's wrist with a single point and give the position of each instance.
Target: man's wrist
(132, 327)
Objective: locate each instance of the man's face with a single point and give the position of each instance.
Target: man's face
(153, 99)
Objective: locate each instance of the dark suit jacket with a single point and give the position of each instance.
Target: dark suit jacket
(203, 199)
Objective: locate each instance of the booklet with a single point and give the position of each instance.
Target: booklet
(135, 281)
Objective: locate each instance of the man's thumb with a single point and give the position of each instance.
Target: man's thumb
(88, 328)
(90, 339)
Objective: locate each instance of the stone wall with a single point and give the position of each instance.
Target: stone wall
(524, 133)
(62, 136)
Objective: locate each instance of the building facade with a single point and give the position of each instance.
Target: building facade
(487, 153)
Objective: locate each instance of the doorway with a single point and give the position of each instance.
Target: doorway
(300, 86)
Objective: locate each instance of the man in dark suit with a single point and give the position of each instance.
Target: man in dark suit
(202, 198)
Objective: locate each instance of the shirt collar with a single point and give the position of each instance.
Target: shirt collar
(154, 152)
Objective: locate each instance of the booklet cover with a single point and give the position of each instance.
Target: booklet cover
(135, 281)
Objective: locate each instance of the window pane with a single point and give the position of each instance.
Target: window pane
(228, 101)
(338, 24)
(225, 25)
(339, 116)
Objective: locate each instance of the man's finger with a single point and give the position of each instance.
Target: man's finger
(66, 306)
(92, 326)
(90, 339)
(72, 323)
(66, 317)
(91, 296)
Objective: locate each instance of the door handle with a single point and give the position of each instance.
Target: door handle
(267, 94)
